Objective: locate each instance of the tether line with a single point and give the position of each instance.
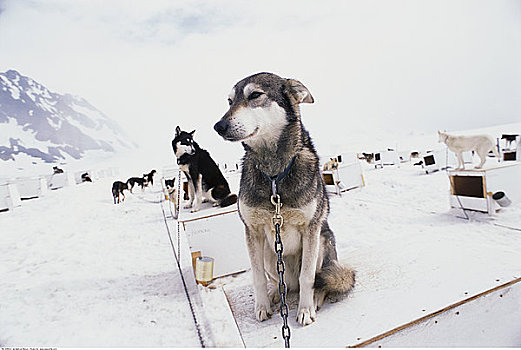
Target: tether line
(197, 326)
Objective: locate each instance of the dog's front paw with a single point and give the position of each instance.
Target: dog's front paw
(273, 295)
(194, 210)
(188, 206)
(306, 315)
(262, 312)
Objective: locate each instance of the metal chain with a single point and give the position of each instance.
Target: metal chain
(278, 221)
(177, 210)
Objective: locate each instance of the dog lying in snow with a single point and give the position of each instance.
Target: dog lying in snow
(331, 164)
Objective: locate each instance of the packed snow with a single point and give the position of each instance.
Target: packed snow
(80, 271)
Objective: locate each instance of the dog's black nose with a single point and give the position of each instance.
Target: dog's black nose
(221, 126)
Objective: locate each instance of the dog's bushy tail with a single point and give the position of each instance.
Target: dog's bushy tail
(335, 278)
(229, 200)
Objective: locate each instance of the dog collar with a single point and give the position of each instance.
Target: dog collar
(184, 159)
(274, 180)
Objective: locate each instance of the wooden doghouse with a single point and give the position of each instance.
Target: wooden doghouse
(31, 187)
(9, 196)
(473, 189)
(441, 160)
(389, 157)
(437, 160)
(377, 160)
(404, 156)
(217, 233)
(510, 147)
(346, 177)
(60, 180)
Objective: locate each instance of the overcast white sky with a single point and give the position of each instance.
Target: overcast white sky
(376, 65)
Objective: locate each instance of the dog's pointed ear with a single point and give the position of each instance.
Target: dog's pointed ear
(192, 133)
(177, 131)
(298, 91)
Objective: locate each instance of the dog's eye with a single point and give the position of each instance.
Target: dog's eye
(254, 95)
(230, 101)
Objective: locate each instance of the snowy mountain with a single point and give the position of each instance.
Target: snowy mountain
(42, 125)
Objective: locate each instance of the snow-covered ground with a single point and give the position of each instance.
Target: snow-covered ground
(78, 271)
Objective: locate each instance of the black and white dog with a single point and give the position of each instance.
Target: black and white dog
(204, 177)
(150, 177)
(141, 181)
(117, 189)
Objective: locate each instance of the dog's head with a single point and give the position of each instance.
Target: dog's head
(442, 136)
(183, 142)
(261, 105)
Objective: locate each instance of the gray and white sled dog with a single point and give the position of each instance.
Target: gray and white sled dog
(481, 144)
(264, 114)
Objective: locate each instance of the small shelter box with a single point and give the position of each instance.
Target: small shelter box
(404, 156)
(483, 189)
(60, 180)
(377, 160)
(170, 172)
(346, 177)
(31, 187)
(437, 160)
(389, 157)
(510, 147)
(9, 197)
(5, 198)
(219, 234)
(443, 159)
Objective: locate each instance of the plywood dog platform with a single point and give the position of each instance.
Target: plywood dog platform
(219, 234)
(443, 290)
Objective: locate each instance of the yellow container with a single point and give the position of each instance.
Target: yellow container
(204, 270)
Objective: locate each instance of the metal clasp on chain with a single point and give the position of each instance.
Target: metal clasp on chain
(277, 217)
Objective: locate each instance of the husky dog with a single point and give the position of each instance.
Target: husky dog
(331, 164)
(170, 183)
(204, 177)
(117, 189)
(264, 114)
(481, 144)
(57, 170)
(141, 181)
(172, 191)
(150, 177)
(85, 177)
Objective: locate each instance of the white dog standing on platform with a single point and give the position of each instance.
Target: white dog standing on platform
(481, 144)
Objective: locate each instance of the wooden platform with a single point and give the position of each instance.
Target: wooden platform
(217, 233)
(444, 291)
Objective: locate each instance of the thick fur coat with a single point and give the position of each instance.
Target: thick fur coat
(264, 115)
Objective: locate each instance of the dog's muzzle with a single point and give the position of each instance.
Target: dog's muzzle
(221, 127)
